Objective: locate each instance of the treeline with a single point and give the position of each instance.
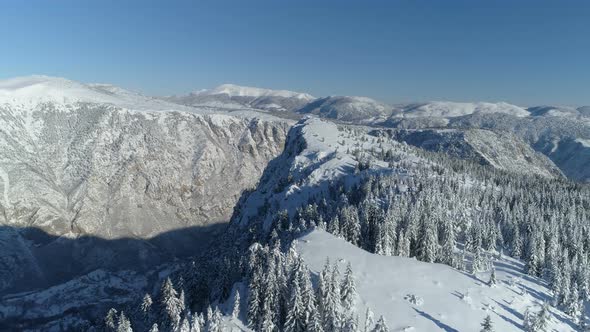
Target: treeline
(279, 296)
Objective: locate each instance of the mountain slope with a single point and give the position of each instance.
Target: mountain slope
(445, 298)
(498, 149)
(557, 137)
(74, 167)
(390, 198)
(319, 153)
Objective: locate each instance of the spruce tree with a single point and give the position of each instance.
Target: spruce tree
(368, 320)
(487, 326)
(348, 292)
(184, 325)
(333, 307)
(123, 324)
(146, 307)
(255, 300)
(110, 320)
(381, 326)
(295, 321)
(542, 319)
(236, 307)
(351, 324)
(171, 305)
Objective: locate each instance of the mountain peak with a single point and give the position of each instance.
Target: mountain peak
(34, 89)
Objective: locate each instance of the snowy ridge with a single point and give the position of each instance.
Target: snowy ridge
(235, 97)
(454, 109)
(347, 108)
(233, 90)
(317, 153)
(25, 92)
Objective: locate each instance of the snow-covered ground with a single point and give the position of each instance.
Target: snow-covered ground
(418, 296)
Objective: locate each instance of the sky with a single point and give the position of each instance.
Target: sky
(524, 52)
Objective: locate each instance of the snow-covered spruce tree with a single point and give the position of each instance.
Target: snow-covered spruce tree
(537, 322)
(311, 317)
(296, 312)
(184, 325)
(542, 319)
(123, 324)
(267, 321)
(110, 320)
(427, 241)
(197, 322)
(332, 302)
(574, 305)
(255, 299)
(348, 291)
(322, 290)
(351, 323)
(368, 320)
(146, 309)
(583, 277)
(154, 328)
(236, 307)
(447, 250)
(350, 224)
(215, 324)
(381, 326)
(486, 325)
(171, 307)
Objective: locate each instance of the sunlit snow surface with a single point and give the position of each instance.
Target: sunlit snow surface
(451, 300)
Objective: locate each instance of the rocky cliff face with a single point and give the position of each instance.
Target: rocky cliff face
(114, 173)
(104, 172)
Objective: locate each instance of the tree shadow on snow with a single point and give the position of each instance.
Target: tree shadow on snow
(438, 323)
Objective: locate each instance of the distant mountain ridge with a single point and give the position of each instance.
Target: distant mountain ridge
(234, 96)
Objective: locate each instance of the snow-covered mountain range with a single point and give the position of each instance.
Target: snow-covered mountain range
(110, 191)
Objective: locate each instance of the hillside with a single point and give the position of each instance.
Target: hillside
(445, 298)
(501, 150)
(76, 163)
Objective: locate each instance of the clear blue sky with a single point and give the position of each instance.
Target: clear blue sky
(525, 52)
